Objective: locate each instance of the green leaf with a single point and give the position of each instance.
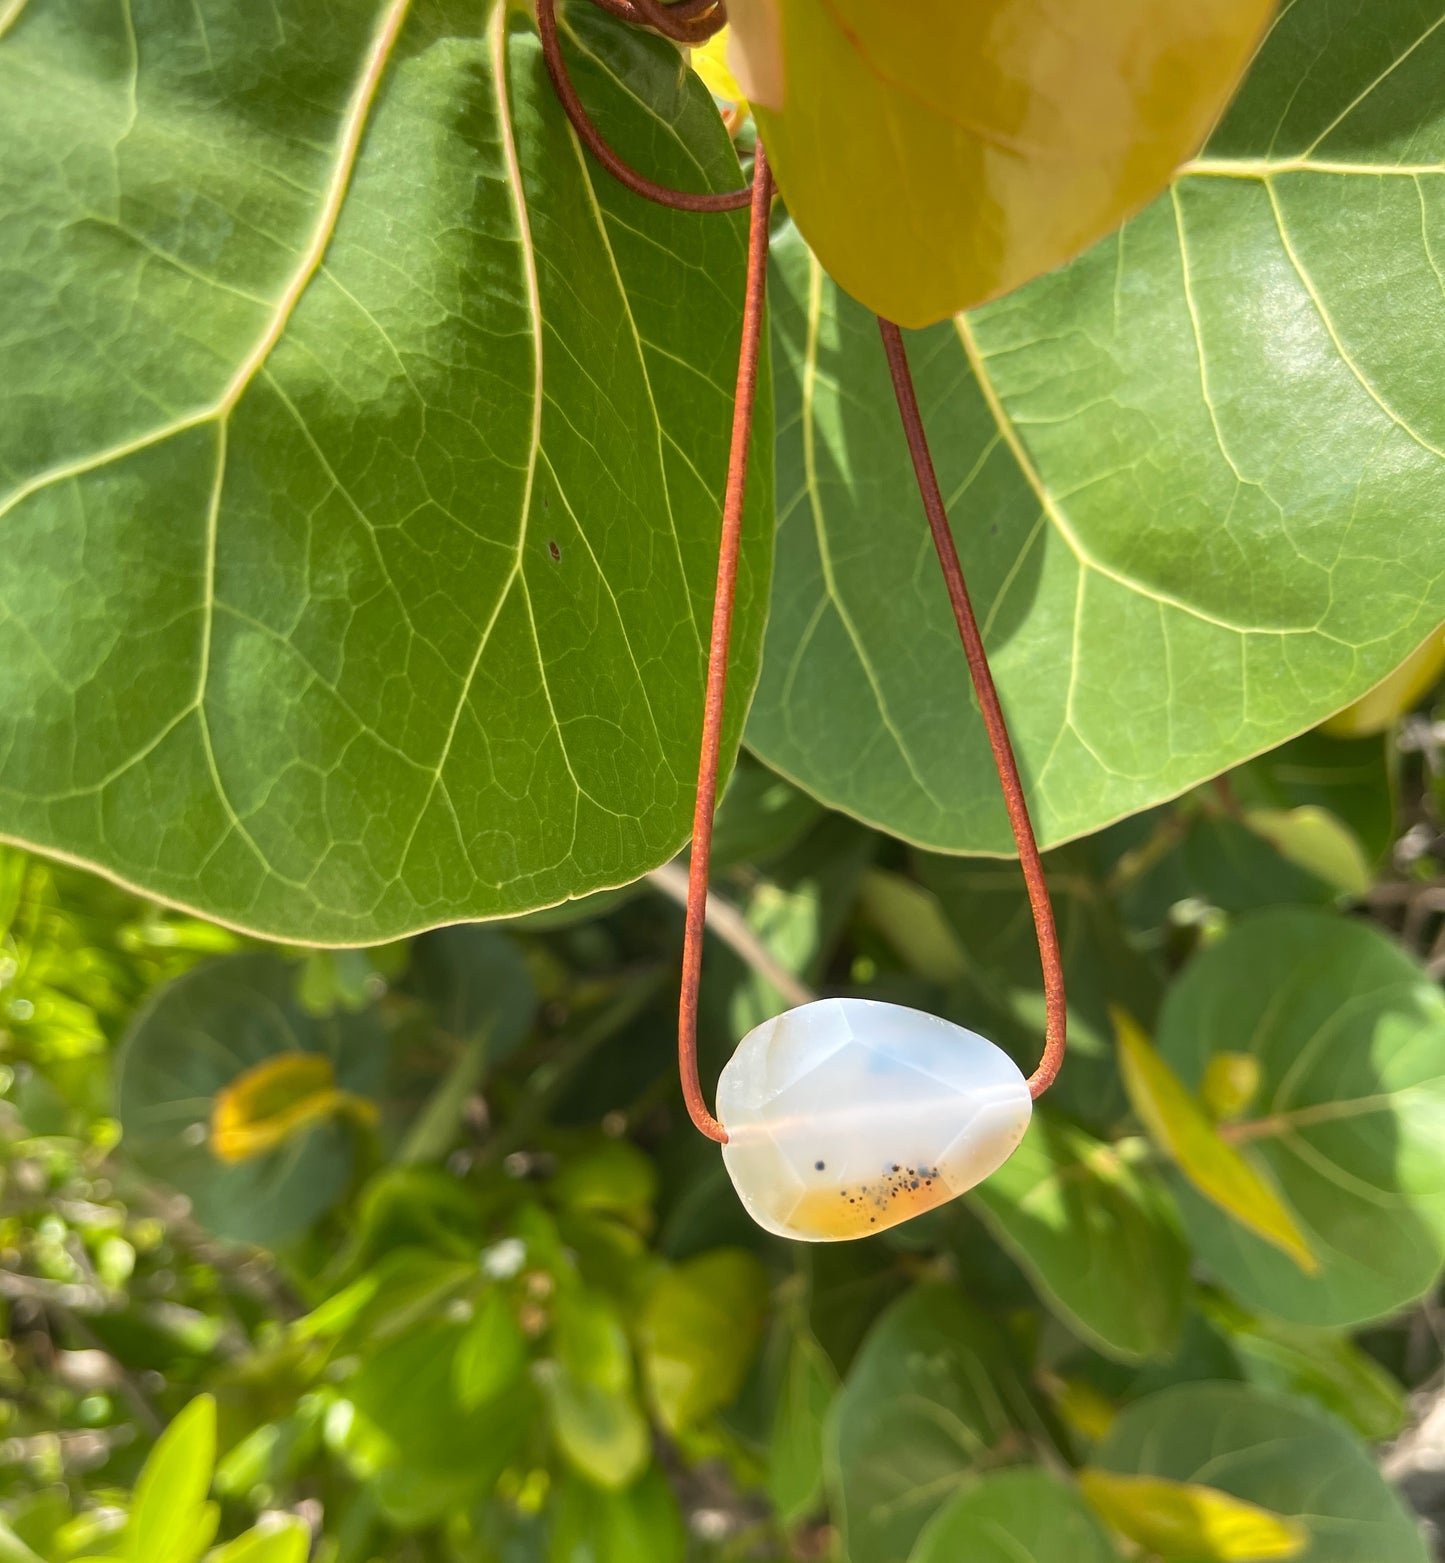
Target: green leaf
(361, 484)
(981, 147)
(912, 921)
(1277, 1453)
(1014, 1517)
(1321, 1365)
(1395, 694)
(601, 1432)
(1196, 478)
(699, 1332)
(194, 1039)
(1350, 1039)
(1096, 1236)
(1179, 1126)
(170, 1520)
(288, 1543)
(795, 1439)
(931, 1394)
(492, 1353)
(642, 1522)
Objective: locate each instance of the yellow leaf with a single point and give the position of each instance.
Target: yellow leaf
(276, 1099)
(938, 154)
(1083, 1409)
(1181, 1128)
(1188, 1521)
(1315, 840)
(709, 60)
(1381, 707)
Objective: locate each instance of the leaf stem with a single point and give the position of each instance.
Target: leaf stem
(1015, 802)
(592, 139)
(749, 354)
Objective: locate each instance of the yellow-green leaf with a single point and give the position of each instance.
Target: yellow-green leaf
(1181, 1128)
(1395, 694)
(1188, 1521)
(1230, 1084)
(1317, 841)
(171, 1521)
(935, 155)
(710, 61)
(276, 1099)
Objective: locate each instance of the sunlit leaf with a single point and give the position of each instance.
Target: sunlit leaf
(361, 484)
(1189, 1521)
(1015, 1517)
(1230, 1084)
(699, 1331)
(1196, 477)
(936, 155)
(1179, 1126)
(289, 1541)
(170, 1520)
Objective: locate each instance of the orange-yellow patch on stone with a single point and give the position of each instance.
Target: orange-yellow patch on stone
(864, 1208)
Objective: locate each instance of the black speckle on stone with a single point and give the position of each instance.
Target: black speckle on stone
(818, 1166)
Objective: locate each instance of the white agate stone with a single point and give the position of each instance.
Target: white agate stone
(846, 1116)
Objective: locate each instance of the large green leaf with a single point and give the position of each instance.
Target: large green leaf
(1197, 478)
(1015, 1517)
(361, 445)
(1096, 1236)
(931, 1394)
(1273, 1451)
(1349, 1117)
(197, 1036)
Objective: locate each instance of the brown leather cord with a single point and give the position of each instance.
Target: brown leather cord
(1056, 1009)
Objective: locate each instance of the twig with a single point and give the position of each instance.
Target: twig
(729, 924)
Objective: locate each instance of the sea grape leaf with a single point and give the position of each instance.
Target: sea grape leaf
(1095, 1235)
(360, 471)
(931, 1393)
(1197, 478)
(1015, 1517)
(938, 154)
(196, 1038)
(1350, 1039)
(1273, 1451)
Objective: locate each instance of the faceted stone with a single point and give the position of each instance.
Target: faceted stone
(846, 1116)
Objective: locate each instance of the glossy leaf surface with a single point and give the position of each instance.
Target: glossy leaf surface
(360, 483)
(937, 155)
(1197, 478)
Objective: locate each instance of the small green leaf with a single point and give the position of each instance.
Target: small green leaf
(795, 1440)
(611, 1178)
(492, 1353)
(1180, 1127)
(1188, 1521)
(912, 921)
(1096, 1236)
(641, 1524)
(1014, 1517)
(600, 1432)
(699, 1332)
(170, 1520)
(287, 1542)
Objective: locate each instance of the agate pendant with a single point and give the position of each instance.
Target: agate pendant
(847, 1116)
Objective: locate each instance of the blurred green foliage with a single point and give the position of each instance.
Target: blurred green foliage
(512, 1311)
